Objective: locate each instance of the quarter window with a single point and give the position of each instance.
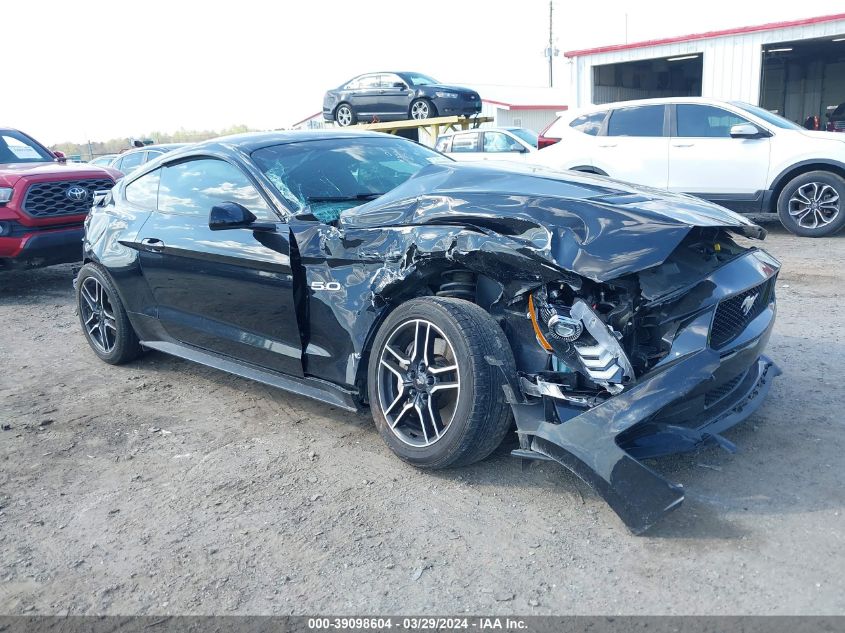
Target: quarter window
(144, 191)
(465, 142)
(193, 187)
(589, 123)
(638, 121)
(705, 121)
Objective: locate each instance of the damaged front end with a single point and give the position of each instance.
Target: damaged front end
(636, 322)
(652, 363)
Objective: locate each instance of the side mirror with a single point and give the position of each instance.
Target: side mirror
(231, 215)
(60, 156)
(516, 147)
(400, 84)
(746, 130)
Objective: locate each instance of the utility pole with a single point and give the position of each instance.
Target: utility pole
(551, 51)
(551, 45)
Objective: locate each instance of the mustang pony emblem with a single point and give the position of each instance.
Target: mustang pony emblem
(748, 303)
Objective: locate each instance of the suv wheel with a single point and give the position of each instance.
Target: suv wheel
(103, 317)
(436, 374)
(811, 205)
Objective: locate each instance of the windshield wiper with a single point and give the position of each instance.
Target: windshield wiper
(360, 196)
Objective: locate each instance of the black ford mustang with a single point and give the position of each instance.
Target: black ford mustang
(611, 322)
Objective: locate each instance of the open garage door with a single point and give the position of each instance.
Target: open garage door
(804, 81)
(649, 78)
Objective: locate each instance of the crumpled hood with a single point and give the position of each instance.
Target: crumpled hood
(593, 226)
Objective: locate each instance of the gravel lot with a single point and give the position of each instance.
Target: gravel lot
(164, 487)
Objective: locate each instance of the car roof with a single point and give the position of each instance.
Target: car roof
(390, 72)
(164, 146)
(252, 141)
(641, 102)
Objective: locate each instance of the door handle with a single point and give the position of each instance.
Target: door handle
(608, 145)
(152, 244)
(682, 144)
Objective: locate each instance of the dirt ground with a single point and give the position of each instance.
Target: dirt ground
(164, 487)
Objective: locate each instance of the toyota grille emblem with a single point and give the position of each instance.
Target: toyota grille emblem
(748, 303)
(77, 194)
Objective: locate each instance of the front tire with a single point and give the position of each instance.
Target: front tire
(436, 376)
(811, 205)
(103, 317)
(422, 109)
(344, 116)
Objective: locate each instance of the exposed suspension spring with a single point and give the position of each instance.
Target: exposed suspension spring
(458, 284)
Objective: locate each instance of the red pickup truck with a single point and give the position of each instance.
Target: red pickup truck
(43, 202)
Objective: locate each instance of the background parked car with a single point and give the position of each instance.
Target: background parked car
(732, 153)
(105, 160)
(501, 143)
(134, 158)
(395, 96)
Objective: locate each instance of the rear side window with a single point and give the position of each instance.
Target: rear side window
(703, 121)
(637, 121)
(144, 191)
(465, 142)
(589, 123)
(130, 162)
(370, 81)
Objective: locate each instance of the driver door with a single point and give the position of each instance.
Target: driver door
(231, 291)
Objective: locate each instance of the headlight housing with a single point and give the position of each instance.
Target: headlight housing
(446, 95)
(6, 194)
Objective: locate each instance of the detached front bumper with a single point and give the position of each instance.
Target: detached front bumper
(684, 402)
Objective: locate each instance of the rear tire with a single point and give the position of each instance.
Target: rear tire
(103, 317)
(813, 204)
(436, 376)
(344, 115)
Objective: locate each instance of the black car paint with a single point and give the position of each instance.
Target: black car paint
(256, 302)
(393, 103)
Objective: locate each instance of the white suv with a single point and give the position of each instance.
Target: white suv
(732, 153)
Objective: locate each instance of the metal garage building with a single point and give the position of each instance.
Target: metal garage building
(795, 68)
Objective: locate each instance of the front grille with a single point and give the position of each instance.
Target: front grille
(718, 393)
(839, 125)
(735, 313)
(50, 199)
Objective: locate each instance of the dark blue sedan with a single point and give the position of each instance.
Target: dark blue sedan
(396, 96)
